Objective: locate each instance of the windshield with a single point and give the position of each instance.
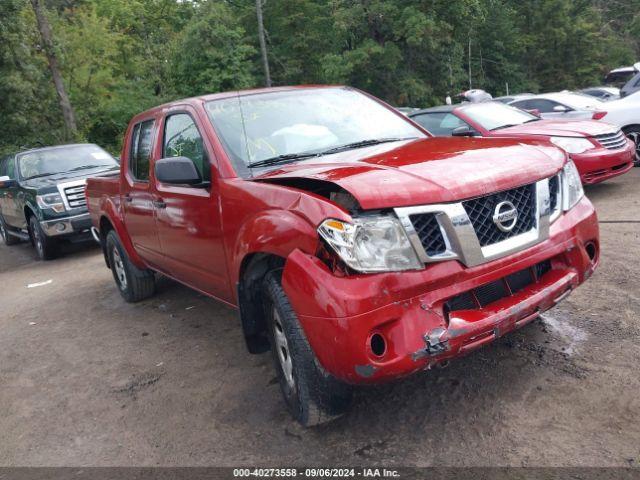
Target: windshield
(45, 162)
(493, 115)
(255, 128)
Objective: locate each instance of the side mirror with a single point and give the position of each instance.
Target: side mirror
(177, 171)
(534, 111)
(463, 131)
(560, 109)
(6, 182)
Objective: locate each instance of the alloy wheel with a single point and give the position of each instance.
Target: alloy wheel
(282, 347)
(118, 265)
(37, 240)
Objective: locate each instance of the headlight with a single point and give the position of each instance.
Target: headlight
(52, 201)
(572, 185)
(371, 244)
(572, 145)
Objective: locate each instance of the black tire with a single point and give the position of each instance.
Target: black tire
(46, 247)
(4, 236)
(133, 283)
(633, 133)
(311, 394)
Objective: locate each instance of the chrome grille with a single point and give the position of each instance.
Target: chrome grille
(554, 193)
(75, 196)
(428, 230)
(612, 141)
(449, 231)
(481, 211)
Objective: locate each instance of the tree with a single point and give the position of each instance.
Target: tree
(263, 43)
(48, 46)
(211, 55)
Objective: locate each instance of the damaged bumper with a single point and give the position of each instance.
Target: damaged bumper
(373, 328)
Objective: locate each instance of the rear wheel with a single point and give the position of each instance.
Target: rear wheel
(46, 247)
(633, 133)
(133, 283)
(4, 234)
(312, 395)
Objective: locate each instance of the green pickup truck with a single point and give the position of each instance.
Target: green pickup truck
(42, 197)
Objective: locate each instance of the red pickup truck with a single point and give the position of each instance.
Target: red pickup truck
(357, 247)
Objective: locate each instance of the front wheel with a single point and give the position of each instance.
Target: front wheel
(633, 133)
(312, 395)
(133, 283)
(46, 247)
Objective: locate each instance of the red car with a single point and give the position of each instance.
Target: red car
(599, 150)
(355, 246)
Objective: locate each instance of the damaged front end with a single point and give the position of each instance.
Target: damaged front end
(374, 327)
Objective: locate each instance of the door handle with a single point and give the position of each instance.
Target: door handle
(159, 203)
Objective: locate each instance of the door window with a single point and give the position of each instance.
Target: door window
(140, 150)
(182, 139)
(540, 104)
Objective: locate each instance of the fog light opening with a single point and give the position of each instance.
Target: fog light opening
(378, 344)
(60, 227)
(592, 251)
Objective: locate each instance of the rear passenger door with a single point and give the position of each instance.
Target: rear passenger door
(188, 217)
(138, 193)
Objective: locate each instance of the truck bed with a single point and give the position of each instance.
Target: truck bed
(101, 191)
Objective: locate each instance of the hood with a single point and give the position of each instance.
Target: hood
(431, 170)
(560, 128)
(51, 182)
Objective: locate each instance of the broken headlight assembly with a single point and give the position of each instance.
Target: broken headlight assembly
(572, 190)
(376, 243)
(52, 201)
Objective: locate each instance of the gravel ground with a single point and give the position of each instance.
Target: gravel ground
(87, 379)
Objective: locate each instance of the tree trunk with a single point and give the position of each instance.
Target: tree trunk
(263, 44)
(47, 42)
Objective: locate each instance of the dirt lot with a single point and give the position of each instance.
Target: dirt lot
(86, 379)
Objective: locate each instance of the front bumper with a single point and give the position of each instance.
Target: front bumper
(341, 315)
(67, 226)
(598, 165)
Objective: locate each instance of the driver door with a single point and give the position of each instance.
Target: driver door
(9, 196)
(188, 217)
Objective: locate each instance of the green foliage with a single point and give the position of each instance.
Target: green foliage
(211, 55)
(119, 57)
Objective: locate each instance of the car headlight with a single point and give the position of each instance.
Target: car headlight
(572, 185)
(52, 201)
(572, 145)
(371, 244)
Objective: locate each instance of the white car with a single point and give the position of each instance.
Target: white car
(563, 105)
(625, 113)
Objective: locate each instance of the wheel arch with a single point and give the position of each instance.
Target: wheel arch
(253, 269)
(110, 220)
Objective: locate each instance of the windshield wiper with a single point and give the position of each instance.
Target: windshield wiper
(299, 156)
(287, 157)
(533, 120)
(87, 167)
(505, 126)
(40, 175)
(364, 143)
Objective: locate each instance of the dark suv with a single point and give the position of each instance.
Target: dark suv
(42, 197)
